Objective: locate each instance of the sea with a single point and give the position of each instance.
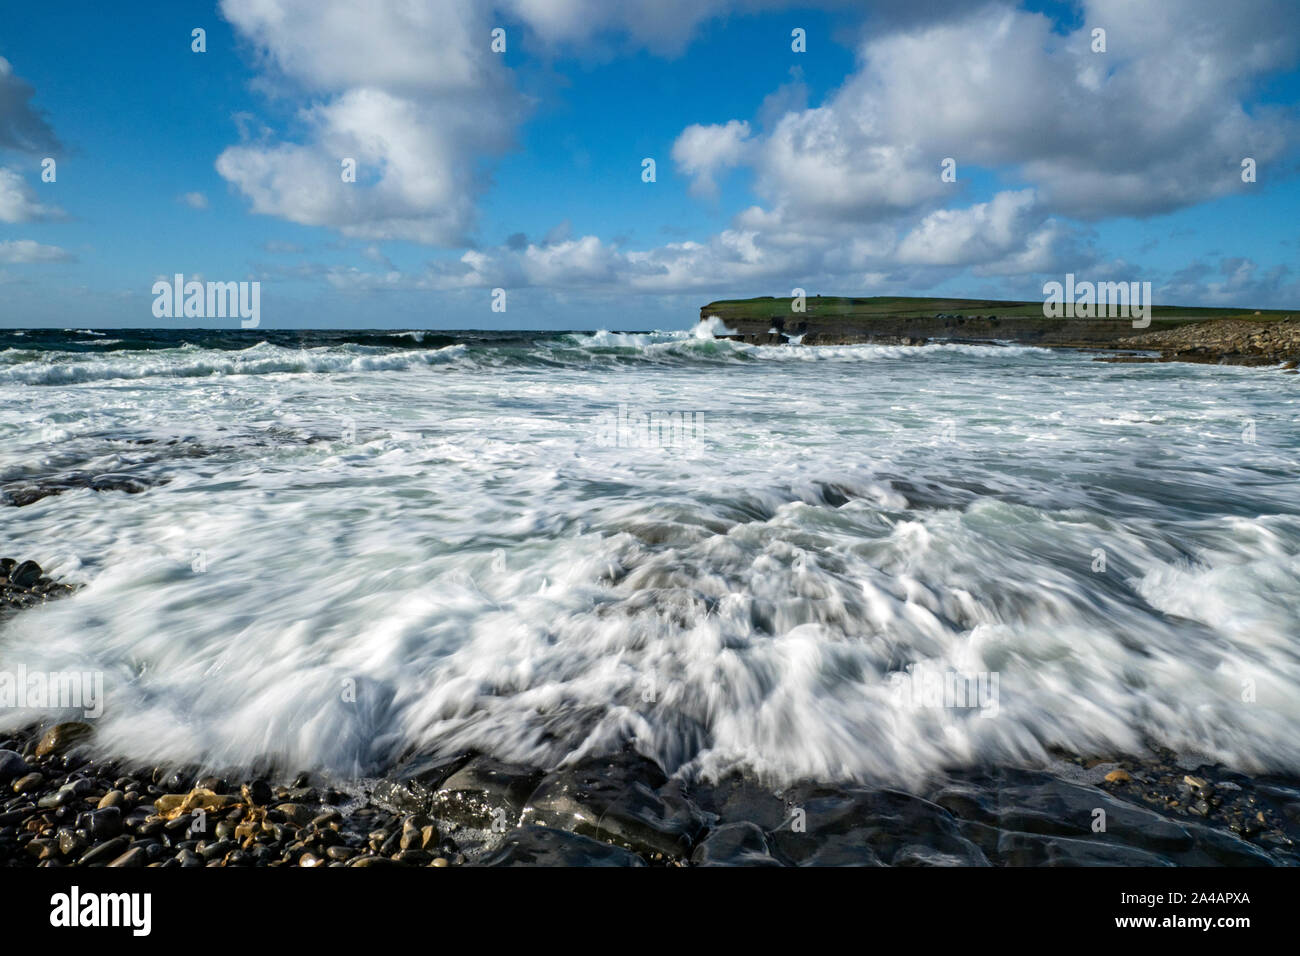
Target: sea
(874, 563)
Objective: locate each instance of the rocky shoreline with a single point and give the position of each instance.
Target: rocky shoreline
(1175, 335)
(1226, 342)
(63, 806)
(62, 803)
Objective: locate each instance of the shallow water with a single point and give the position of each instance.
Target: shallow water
(458, 533)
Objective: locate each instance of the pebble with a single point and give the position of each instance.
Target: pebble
(136, 856)
(12, 766)
(28, 783)
(61, 737)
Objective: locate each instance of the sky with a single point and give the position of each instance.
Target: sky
(794, 146)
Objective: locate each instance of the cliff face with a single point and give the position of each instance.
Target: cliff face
(837, 321)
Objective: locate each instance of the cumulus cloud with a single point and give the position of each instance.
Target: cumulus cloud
(703, 152)
(15, 251)
(22, 127)
(410, 92)
(1008, 235)
(849, 190)
(18, 202)
(1157, 122)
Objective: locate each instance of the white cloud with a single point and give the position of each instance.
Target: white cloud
(703, 152)
(1156, 123)
(1007, 235)
(194, 200)
(15, 251)
(411, 92)
(18, 202)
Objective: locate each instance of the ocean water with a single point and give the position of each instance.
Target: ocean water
(353, 545)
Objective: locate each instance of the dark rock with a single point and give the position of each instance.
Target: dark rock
(136, 856)
(12, 766)
(410, 787)
(863, 827)
(1037, 849)
(485, 793)
(28, 783)
(105, 823)
(735, 844)
(105, 852)
(258, 793)
(546, 846)
(1051, 806)
(618, 800)
(61, 737)
(25, 575)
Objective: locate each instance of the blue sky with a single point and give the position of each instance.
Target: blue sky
(775, 169)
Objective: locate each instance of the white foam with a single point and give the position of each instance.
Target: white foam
(489, 575)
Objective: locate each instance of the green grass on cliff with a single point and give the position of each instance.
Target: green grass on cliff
(906, 306)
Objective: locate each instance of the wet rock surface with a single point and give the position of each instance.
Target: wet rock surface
(24, 584)
(62, 806)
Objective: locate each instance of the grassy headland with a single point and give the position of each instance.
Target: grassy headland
(1178, 333)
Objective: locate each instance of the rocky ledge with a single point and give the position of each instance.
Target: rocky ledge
(1227, 342)
(64, 807)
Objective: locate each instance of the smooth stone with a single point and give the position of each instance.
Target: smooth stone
(105, 823)
(105, 852)
(485, 793)
(26, 575)
(617, 800)
(297, 813)
(70, 844)
(866, 827)
(735, 844)
(136, 856)
(114, 798)
(410, 786)
(547, 846)
(61, 737)
(1038, 849)
(258, 793)
(28, 783)
(12, 766)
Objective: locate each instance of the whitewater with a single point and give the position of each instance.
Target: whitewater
(347, 547)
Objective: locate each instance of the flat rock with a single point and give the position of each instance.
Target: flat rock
(411, 785)
(863, 827)
(735, 844)
(624, 800)
(547, 846)
(485, 793)
(1037, 849)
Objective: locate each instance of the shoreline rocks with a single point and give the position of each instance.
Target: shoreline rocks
(61, 806)
(24, 584)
